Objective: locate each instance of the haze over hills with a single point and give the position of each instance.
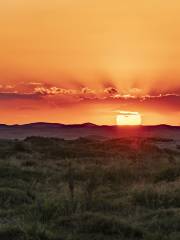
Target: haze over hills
(73, 131)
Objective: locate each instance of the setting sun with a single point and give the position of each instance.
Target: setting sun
(129, 118)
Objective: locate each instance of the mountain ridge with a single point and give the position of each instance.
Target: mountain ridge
(88, 124)
(72, 131)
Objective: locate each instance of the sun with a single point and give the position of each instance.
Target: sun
(128, 118)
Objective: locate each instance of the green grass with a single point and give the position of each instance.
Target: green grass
(52, 189)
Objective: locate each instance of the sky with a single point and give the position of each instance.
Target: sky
(85, 61)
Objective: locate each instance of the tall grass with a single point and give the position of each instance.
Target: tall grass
(52, 189)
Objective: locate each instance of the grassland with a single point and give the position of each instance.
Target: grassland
(121, 189)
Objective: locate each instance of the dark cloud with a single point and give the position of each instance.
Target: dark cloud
(111, 90)
(19, 96)
(165, 102)
(160, 103)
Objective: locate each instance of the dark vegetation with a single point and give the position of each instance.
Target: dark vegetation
(119, 189)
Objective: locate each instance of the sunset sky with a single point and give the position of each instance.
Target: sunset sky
(74, 61)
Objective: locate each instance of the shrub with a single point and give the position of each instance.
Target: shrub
(10, 233)
(29, 163)
(107, 225)
(157, 197)
(168, 174)
(163, 221)
(13, 197)
(37, 231)
(14, 173)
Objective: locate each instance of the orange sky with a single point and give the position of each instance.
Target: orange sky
(82, 61)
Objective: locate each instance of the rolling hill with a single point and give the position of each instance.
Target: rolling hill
(74, 131)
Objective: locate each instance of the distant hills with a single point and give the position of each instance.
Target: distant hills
(90, 130)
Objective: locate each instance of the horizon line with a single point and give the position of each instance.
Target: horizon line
(89, 123)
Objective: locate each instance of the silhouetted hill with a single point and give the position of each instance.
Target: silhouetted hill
(86, 129)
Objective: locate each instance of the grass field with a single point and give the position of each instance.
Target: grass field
(119, 189)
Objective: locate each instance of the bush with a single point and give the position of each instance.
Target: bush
(165, 222)
(157, 197)
(107, 225)
(10, 233)
(168, 174)
(13, 197)
(13, 173)
(37, 231)
(29, 163)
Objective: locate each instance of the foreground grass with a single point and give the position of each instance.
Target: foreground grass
(51, 189)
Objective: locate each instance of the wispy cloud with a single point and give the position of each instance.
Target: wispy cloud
(19, 96)
(57, 96)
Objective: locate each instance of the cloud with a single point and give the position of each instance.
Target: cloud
(87, 90)
(111, 90)
(6, 87)
(126, 113)
(63, 91)
(35, 83)
(57, 96)
(161, 103)
(15, 96)
(53, 91)
(9, 87)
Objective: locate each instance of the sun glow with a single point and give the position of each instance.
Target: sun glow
(128, 118)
